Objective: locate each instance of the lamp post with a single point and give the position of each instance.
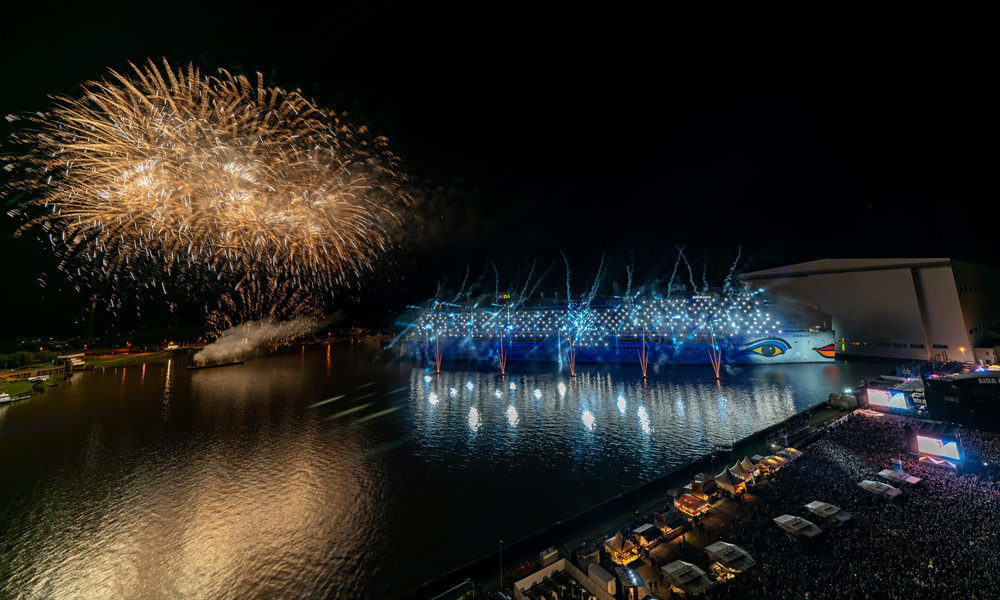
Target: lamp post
(501, 565)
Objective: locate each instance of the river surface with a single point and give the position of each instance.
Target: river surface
(325, 473)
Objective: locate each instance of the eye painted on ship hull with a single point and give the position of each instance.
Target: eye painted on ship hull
(767, 347)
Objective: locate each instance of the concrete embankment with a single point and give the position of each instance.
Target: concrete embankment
(615, 512)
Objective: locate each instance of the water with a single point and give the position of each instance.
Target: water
(325, 474)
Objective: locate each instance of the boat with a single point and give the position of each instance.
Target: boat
(6, 398)
(213, 365)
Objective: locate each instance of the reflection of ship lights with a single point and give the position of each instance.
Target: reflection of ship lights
(658, 409)
(644, 420)
(512, 417)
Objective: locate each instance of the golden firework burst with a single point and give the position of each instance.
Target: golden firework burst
(162, 177)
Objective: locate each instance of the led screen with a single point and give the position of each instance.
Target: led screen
(929, 445)
(888, 399)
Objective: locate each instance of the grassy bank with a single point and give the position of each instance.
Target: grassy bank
(125, 360)
(20, 388)
(15, 388)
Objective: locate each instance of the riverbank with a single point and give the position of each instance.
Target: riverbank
(16, 388)
(22, 386)
(598, 522)
(127, 360)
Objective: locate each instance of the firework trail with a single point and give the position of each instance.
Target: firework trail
(524, 289)
(677, 263)
(461, 288)
(597, 281)
(727, 285)
(164, 176)
(496, 287)
(261, 301)
(534, 288)
(704, 273)
(694, 288)
(569, 296)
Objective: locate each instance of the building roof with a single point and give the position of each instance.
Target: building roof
(648, 531)
(825, 266)
(689, 503)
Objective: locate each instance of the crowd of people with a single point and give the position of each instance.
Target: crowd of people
(937, 540)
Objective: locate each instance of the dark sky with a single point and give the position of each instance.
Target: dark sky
(621, 131)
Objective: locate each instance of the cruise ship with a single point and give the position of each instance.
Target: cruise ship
(734, 328)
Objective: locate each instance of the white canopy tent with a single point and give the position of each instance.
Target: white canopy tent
(738, 471)
(749, 466)
(729, 482)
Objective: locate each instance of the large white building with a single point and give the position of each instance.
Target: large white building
(906, 308)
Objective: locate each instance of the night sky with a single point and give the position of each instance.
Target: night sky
(623, 132)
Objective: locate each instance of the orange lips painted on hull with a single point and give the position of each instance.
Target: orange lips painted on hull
(826, 351)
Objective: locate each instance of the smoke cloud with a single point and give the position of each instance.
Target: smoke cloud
(236, 342)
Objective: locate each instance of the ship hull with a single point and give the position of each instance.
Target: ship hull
(789, 347)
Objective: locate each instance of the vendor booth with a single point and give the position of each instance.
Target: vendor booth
(729, 482)
(621, 550)
(691, 505)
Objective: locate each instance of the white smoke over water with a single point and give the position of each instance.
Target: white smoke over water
(236, 342)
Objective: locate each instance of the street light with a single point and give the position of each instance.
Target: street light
(501, 565)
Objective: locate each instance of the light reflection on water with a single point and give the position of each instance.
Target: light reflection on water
(323, 474)
(683, 418)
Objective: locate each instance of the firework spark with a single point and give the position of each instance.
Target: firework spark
(259, 300)
(167, 177)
